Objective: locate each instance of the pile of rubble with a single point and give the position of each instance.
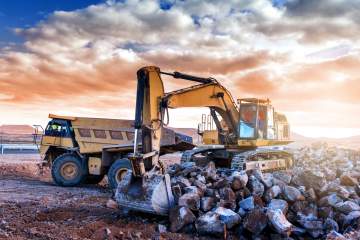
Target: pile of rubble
(319, 198)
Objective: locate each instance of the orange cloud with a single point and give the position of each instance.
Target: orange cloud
(48, 80)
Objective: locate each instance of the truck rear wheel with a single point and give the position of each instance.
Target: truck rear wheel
(118, 171)
(67, 170)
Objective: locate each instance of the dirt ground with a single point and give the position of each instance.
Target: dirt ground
(31, 207)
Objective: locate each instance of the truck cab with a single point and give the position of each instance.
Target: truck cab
(58, 132)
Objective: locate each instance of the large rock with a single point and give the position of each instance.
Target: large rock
(273, 192)
(180, 217)
(221, 183)
(310, 195)
(183, 182)
(227, 194)
(255, 186)
(334, 235)
(194, 190)
(330, 187)
(268, 180)
(190, 200)
(187, 165)
(238, 180)
(330, 200)
(343, 193)
(292, 194)
(279, 183)
(201, 179)
(283, 176)
(331, 225)
(353, 216)
(229, 217)
(257, 173)
(297, 178)
(247, 204)
(347, 207)
(210, 172)
(255, 221)
(330, 174)
(347, 180)
(314, 179)
(309, 222)
(278, 204)
(200, 185)
(207, 203)
(326, 212)
(279, 222)
(313, 226)
(305, 209)
(210, 223)
(227, 204)
(173, 169)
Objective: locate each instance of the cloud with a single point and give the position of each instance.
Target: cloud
(324, 9)
(211, 65)
(257, 82)
(28, 78)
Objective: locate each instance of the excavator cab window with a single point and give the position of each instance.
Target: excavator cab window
(270, 123)
(262, 122)
(58, 128)
(256, 121)
(247, 121)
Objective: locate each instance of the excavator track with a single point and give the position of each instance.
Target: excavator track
(187, 155)
(267, 160)
(238, 162)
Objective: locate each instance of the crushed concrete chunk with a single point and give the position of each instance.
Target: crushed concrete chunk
(279, 222)
(229, 217)
(179, 217)
(210, 223)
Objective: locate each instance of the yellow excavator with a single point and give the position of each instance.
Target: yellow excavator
(245, 132)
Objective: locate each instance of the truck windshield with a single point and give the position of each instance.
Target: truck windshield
(57, 129)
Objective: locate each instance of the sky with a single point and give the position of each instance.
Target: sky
(81, 57)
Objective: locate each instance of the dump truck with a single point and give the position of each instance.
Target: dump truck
(241, 130)
(84, 150)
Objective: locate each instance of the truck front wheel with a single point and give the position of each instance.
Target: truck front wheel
(118, 171)
(67, 170)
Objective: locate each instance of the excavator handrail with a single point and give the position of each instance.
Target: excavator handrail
(189, 77)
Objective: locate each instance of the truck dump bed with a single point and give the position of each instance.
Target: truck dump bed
(92, 134)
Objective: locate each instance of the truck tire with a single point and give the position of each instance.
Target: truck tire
(67, 170)
(94, 179)
(117, 171)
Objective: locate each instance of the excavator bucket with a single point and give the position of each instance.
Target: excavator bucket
(151, 193)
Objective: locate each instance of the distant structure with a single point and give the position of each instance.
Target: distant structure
(18, 139)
